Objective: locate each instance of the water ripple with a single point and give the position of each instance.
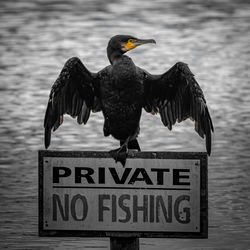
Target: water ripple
(36, 39)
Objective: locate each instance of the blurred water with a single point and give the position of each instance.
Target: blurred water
(36, 39)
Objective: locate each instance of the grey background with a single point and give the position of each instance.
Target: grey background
(36, 39)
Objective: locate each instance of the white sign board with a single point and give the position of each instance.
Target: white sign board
(151, 197)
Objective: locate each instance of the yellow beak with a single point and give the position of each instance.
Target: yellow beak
(131, 45)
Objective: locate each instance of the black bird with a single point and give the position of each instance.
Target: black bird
(120, 91)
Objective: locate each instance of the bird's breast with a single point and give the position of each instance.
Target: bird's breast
(123, 71)
(122, 91)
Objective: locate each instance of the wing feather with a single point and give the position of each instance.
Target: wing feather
(73, 93)
(178, 96)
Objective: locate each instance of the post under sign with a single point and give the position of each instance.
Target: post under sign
(157, 194)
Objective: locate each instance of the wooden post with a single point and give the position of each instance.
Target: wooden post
(124, 243)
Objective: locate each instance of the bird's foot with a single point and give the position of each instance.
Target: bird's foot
(120, 154)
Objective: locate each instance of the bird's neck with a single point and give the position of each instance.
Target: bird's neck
(114, 55)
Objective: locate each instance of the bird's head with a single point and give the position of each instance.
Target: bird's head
(120, 44)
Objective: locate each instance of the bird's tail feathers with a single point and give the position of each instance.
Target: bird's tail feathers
(132, 144)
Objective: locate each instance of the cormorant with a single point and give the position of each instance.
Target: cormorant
(120, 91)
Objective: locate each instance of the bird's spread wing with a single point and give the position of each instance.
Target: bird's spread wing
(73, 93)
(176, 95)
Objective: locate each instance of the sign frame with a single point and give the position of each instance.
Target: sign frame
(201, 156)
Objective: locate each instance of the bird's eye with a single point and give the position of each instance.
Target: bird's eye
(130, 40)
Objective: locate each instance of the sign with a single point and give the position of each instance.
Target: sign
(157, 194)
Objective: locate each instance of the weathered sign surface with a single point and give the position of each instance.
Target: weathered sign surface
(157, 194)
